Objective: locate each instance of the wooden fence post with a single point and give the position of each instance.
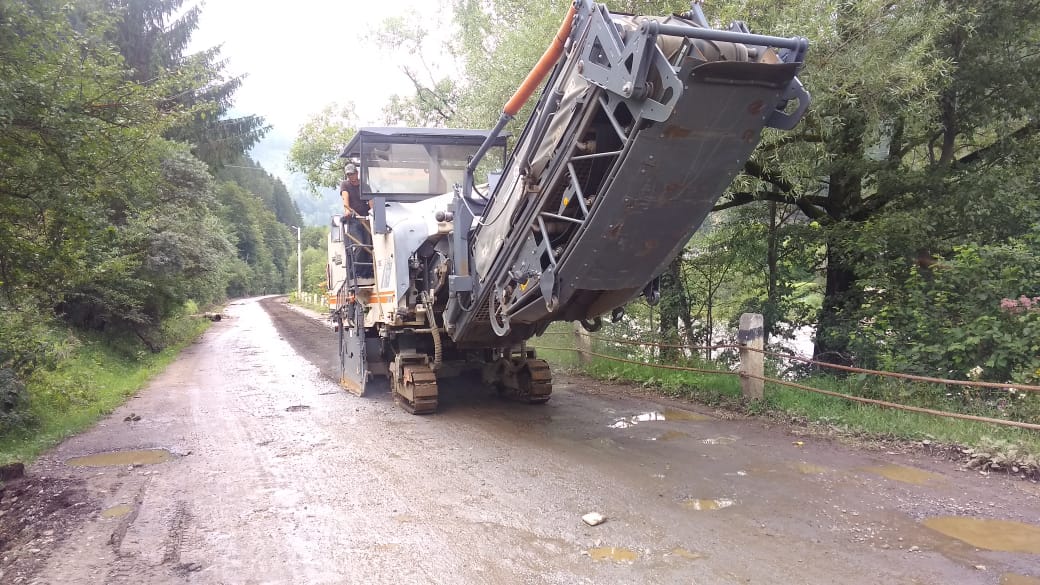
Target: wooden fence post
(583, 343)
(751, 337)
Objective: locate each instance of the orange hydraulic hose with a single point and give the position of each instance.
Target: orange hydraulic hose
(541, 69)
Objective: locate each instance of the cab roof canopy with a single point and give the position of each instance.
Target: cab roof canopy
(395, 135)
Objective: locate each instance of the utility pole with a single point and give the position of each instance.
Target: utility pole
(299, 264)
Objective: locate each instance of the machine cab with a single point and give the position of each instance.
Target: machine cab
(412, 164)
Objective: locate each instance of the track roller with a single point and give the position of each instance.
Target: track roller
(526, 379)
(416, 389)
(538, 383)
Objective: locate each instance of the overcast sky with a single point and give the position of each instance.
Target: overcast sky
(301, 55)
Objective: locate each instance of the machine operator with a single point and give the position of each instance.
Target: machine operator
(355, 212)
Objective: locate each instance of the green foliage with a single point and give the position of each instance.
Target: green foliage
(917, 126)
(77, 141)
(153, 44)
(314, 277)
(264, 246)
(164, 247)
(248, 174)
(94, 376)
(949, 318)
(28, 341)
(315, 152)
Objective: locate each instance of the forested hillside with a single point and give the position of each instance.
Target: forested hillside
(899, 224)
(126, 196)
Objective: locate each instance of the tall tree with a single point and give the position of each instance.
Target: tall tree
(315, 152)
(917, 105)
(78, 141)
(436, 96)
(153, 41)
(249, 175)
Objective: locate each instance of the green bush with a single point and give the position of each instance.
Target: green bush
(953, 320)
(46, 373)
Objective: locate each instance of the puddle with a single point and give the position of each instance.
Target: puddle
(905, 474)
(297, 408)
(1012, 579)
(673, 414)
(144, 457)
(680, 414)
(687, 554)
(613, 553)
(720, 440)
(809, 468)
(702, 504)
(996, 535)
(670, 436)
(116, 511)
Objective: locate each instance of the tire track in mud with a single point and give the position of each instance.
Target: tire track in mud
(177, 534)
(116, 540)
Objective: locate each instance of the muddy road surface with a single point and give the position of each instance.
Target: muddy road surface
(243, 463)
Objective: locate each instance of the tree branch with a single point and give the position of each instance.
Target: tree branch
(977, 155)
(755, 169)
(813, 206)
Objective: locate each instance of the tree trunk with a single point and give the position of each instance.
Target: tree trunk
(672, 302)
(709, 336)
(832, 339)
(845, 190)
(772, 273)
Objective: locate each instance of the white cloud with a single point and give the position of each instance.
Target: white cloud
(304, 54)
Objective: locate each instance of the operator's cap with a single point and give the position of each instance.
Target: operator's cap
(350, 169)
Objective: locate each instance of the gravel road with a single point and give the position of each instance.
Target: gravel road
(243, 463)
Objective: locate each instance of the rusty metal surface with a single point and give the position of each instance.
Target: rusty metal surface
(672, 176)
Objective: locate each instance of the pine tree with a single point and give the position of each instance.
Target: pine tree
(153, 43)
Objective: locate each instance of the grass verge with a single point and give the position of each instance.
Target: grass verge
(303, 302)
(94, 379)
(986, 446)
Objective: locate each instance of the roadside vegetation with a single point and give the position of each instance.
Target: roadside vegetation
(90, 376)
(126, 197)
(307, 301)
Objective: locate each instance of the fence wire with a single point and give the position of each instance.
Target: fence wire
(853, 369)
(872, 401)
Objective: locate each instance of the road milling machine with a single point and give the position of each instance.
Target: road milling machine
(641, 125)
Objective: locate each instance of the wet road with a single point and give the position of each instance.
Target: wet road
(255, 468)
